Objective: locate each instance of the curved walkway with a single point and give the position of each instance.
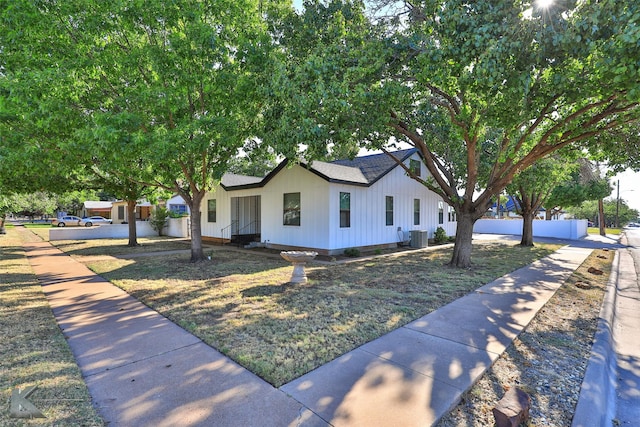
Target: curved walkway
(143, 370)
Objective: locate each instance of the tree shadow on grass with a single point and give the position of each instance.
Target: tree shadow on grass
(266, 290)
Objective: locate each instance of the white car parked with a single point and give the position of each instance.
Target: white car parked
(94, 220)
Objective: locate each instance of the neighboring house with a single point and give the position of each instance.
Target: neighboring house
(510, 210)
(97, 208)
(368, 202)
(177, 205)
(513, 205)
(119, 211)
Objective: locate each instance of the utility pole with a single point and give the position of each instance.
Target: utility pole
(618, 205)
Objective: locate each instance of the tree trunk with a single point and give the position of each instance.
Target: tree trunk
(601, 223)
(527, 229)
(2, 221)
(131, 216)
(197, 254)
(461, 257)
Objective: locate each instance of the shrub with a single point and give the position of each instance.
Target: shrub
(158, 219)
(440, 236)
(352, 252)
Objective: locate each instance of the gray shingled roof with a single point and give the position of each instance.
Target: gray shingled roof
(364, 170)
(234, 180)
(375, 166)
(336, 172)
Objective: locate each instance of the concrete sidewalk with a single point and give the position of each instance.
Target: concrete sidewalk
(141, 369)
(417, 373)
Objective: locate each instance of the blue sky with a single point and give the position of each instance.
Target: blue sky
(629, 188)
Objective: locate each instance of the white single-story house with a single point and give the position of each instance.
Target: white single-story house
(368, 202)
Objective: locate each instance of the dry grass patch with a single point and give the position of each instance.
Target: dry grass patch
(34, 351)
(118, 247)
(548, 359)
(242, 304)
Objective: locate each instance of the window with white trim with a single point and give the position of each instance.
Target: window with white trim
(389, 210)
(345, 210)
(291, 209)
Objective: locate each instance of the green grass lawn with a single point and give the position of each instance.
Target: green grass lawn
(596, 230)
(242, 304)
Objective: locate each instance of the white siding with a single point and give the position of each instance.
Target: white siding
(313, 231)
(223, 210)
(320, 210)
(368, 225)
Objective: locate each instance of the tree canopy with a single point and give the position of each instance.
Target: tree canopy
(589, 210)
(164, 94)
(159, 93)
(482, 89)
(532, 187)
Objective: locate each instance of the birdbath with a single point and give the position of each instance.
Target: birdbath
(298, 259)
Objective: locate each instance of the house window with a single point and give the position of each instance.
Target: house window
(178, 209)
(291, 211)
(414, 166)
(121, 213)
(345, 210)
(452, 214)
(440, 212)
(416, 211)
(211, 210)
(389, 210)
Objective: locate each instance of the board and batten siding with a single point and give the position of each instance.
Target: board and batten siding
(313, 231)
(223, 210)
(320, 210)
(368, 211)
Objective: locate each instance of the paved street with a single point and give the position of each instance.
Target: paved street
(625, 333)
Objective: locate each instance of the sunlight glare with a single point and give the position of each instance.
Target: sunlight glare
(544, 4)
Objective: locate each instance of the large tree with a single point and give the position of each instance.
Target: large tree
(482, 89)
(532, 187)
(583, 183)
(180, 79)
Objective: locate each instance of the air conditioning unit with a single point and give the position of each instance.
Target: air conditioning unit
(419, 239)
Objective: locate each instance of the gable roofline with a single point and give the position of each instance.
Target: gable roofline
(376, 166)
(232, 181)
(363, 171)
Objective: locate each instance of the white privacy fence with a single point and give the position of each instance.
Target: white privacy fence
(561, 229)
(176, 227)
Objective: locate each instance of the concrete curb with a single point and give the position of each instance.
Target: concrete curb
(596, 404)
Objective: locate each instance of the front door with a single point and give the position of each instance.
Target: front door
(245, 217)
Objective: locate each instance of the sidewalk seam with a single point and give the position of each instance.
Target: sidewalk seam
(113, 368)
